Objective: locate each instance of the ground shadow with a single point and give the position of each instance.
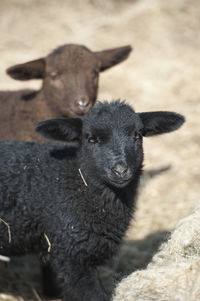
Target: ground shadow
(133, 255)
(149, 174)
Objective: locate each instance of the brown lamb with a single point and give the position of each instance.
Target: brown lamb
(70, 82)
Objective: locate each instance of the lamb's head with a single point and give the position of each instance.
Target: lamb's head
(110, 139)
(70, 76)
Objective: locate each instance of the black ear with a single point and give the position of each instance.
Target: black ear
(156, 123)
(66, 129)
(111, 57)
(30, 70)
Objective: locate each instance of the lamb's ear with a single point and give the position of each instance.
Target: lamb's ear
(111, 57)
(30, 70)
(156, 123)
(66, 129)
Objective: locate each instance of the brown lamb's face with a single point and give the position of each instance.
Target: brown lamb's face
(70, 76)
(71, 81)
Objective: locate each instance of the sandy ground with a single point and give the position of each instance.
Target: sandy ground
(162, 73)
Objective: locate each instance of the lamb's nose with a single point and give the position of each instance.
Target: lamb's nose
(120, 169)
(83, 103)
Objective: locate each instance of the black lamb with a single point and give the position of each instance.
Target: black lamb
(73, 207)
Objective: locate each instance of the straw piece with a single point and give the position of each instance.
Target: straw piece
(36, 294)
(84, 181)
(48, 241)
(4, 258)
(9, 232)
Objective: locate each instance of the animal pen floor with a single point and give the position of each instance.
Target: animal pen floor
(162, 73)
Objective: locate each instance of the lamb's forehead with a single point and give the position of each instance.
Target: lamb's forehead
(71, 54)
(115, 114)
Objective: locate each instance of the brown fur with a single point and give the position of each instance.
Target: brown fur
(70, 83)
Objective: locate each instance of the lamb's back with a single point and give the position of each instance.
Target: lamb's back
(33, 172)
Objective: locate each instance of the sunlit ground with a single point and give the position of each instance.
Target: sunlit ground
(162, 73)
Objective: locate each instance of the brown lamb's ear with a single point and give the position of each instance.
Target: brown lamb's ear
(111, 57)
(30, 70)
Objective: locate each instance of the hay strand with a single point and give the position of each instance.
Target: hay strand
(48, 242)
(9, 232)
(84, 181)
(36, 294)
(4, 258)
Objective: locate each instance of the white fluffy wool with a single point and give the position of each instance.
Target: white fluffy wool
(174, 273)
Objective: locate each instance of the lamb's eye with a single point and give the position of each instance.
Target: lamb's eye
(92, 140)
(54, 75)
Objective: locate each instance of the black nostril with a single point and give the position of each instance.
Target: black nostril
(120, 170)
(83, 103)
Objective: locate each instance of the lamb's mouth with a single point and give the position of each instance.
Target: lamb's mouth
(120, 182)
(70, 113)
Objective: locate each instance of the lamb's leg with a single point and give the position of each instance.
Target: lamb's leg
(82, 283)
(79, 283)
(50, 281)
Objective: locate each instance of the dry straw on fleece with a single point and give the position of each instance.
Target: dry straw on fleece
(174, 273)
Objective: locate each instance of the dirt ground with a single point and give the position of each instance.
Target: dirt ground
(162, 73)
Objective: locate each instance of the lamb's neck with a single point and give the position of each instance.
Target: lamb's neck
(126, 195)
(35, 105)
